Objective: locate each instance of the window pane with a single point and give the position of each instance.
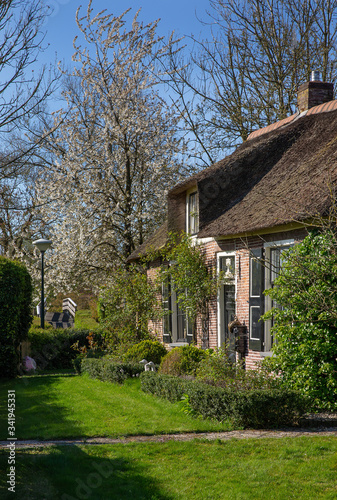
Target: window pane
(255, 278)
(227, 266)
(255, 330)
(193, 216)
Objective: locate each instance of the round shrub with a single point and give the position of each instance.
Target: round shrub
(182, 361)
(151, 350)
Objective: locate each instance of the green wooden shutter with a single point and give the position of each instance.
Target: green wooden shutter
(167, 319)
(256, 300)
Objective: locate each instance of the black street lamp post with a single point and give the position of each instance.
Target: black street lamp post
(42, 245)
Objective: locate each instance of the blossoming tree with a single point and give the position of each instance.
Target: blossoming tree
(116, 152)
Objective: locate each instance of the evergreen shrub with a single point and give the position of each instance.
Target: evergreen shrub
(52, 349)
(108, 370)
(257, 408)
(15, 313)
(151, 350)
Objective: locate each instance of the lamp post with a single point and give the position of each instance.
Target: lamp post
(42, 245)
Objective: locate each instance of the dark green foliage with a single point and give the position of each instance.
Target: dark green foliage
(305, 321)
(15, 312)
(257, 408)
(182, 361)
(53, 348)
(151, 350)
(108, 370)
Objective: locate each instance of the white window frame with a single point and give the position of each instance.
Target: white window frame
(189, 193)
(220, 298)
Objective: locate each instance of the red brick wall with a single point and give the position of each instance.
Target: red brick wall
(241, 247)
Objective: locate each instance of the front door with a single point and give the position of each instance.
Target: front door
(228, 313)
(226, 264)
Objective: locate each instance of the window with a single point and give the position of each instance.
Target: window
(256, 302)
(192, 213)
(176, 325)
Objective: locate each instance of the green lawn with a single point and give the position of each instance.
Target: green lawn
(61, 406)
(266, 469)
(53, 406)
(83, 319)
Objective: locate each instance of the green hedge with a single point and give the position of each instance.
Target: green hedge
(258, 409)
(15, 313)
(52, 349)
(107, 370)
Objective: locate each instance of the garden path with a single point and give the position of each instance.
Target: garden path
(243, 434)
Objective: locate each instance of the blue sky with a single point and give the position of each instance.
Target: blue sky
(175, 15)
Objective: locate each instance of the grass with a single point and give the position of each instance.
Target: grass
(64, 406)
(83, 319)
(278, 469)
(54, 406)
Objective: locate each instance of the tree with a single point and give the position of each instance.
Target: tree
(305, 318)
(246, 74)
(23, 97)
(191, 276)
(127, 305)
(116, 153)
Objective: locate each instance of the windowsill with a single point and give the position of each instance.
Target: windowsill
(266, 354)
(178, 344)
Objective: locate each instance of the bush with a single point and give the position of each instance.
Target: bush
(245, 408)
(107, 370)
(304, 323)
(52, 349)
(182, 361)
(216, 369)
(15, 313)
(151, 350)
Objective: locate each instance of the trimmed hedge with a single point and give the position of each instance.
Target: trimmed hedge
(258, 409)
(15, 313)
(52, 349)
(110, 371)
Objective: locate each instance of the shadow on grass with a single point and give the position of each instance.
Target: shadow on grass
(36, 408)
(75, 473)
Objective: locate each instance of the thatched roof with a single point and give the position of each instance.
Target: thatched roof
(280, 175)
(156, 241)
(277, 178)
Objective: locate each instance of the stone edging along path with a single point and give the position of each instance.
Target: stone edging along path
(244, 434)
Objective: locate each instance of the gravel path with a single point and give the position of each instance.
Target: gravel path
(245, 434)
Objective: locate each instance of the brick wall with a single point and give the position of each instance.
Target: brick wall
(241, 247)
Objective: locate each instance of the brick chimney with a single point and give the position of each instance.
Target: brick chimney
(313, 93)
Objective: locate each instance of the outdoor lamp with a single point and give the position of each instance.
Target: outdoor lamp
(42, 245)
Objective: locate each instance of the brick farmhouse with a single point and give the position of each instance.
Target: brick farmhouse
(246, 209)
